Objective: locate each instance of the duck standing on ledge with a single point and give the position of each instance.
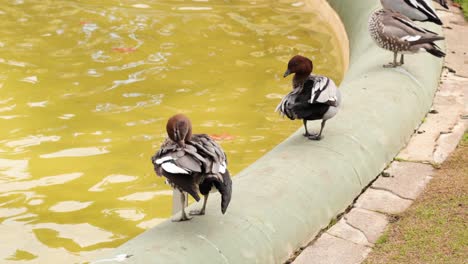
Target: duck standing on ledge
(192, 163)
(395, 32)
(418, 10)
(313, 97)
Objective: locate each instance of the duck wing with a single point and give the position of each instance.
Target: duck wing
(402, 28)
(323, 90)
(212, 152)
(183, 167)
(172, 159)
(285, 107)
(423, 7)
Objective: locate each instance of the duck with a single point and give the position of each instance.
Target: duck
(193, 164)
(313, 97)
(417, 10)
(397, 33)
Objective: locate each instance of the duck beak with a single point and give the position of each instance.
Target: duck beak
(286, 73)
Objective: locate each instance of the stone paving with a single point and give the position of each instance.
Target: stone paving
(352, 237)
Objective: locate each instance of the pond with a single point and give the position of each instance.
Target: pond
(86, 88)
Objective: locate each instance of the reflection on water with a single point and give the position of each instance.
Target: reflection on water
(85, 90)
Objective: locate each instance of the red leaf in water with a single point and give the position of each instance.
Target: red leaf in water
(124, 49)
(223, 136)
(84, 22)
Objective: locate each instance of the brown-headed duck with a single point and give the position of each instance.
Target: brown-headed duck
(313, 97)
(192, 163)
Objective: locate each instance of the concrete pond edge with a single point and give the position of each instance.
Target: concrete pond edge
(353, 234)
(293, 192)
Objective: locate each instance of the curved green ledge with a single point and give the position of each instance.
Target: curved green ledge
(285, 198)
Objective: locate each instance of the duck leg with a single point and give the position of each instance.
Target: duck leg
(307, 134)
(319, 135)
(393, 64)
(183, 216)
(202, 210)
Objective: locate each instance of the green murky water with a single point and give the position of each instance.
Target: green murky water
(86, 88)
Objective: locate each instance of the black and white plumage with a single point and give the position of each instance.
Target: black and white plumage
(418, 10)
(313, 97)
(193, 163)
(394, 32)
(443, 3)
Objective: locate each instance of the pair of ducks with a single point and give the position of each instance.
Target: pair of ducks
(392, 28)
(195, 163)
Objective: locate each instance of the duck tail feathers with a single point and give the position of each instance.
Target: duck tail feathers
(434, 50)
(435, 20)
(225, 188)
(427, 40)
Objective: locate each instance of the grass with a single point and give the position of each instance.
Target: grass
(464, 5)
(435, 228)
(382, 239)
(465, 138)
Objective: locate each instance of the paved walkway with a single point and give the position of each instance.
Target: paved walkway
(353, 236)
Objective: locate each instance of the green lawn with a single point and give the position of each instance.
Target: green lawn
(434, 229)
(464, 5)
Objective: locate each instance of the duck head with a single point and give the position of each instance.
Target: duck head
(300, 66)
(179, 129)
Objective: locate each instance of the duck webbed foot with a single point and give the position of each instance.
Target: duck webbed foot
(182, 217)
(314, 137)
(319, 135)
(394, 64)
(197, 212)
(202, 210)
(307, 134)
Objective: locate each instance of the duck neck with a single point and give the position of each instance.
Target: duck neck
(299, 79)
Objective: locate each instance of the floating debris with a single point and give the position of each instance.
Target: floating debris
(124, 49)
(223, 136)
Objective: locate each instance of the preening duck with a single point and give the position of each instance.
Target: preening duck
(418, 10)
(313, 97)
(395, 32)
(192, 163)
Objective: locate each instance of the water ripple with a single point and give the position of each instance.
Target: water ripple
(32, 140)
(111, 179)
(69, 206)
(84, 235)
(45, 181)
(86, 88)
(76, 152)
